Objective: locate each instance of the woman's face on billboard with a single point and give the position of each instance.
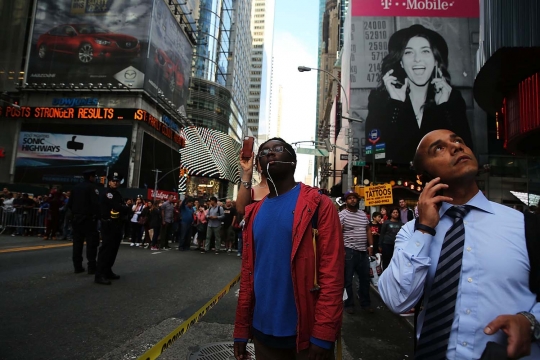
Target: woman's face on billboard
(418, 61)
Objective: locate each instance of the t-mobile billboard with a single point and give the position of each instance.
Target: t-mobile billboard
(415, 59)
(60, 153)
(110, 42)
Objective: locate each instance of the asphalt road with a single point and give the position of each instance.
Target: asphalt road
(48, 312)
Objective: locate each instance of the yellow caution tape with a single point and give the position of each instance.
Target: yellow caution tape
(167, 341)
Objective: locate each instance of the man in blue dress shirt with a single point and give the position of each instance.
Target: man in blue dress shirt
(492, 300)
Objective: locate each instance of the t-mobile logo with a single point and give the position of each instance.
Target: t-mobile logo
(386, 4)
(418, 4)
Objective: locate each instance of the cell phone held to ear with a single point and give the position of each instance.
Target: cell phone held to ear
(427, 177)
(247, 147)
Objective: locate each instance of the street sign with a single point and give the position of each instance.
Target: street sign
(380, 155)
(374, 136)
(380, 148)
(346, 157)
(369, 149)
(359, 163)
(310, 151)
(378, 195)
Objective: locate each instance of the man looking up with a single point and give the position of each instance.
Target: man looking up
(291, 287)
(215, 216)
(358, 248)
(167, 218)
(453, 256)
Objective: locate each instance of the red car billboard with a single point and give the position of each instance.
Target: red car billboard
(107, 42)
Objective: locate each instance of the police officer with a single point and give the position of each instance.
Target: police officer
(84, 206)
(113, 211)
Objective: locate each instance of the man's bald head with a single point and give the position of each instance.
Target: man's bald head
(421, 150)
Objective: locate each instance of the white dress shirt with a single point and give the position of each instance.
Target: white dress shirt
(494, 274)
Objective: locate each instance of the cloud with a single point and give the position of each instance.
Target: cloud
(299, 94)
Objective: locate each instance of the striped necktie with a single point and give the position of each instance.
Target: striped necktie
(440, 305)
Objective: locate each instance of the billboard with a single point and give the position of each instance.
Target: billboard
(412, 69)
(60, 153)
(136, 43)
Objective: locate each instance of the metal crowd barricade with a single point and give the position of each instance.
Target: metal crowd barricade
(21, 219)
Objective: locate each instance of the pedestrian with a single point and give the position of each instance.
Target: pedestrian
(113, 211)
(375, 227)
(167, 219)
(53, 214)
(389, 231)
(227, 226)
(215, 216)
(67, 228)
(467, 258)
(126, 228)
(358, 248)
(147, 240)
(155, 223)
(186, 219)
(136, 225)
(384, 216)
(406, 213)
(83, 204)
(200, 224)
(291, 288)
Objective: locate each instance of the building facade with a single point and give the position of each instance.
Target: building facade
(507, 89)
(94, 87)
(218, 102)
(260, 84)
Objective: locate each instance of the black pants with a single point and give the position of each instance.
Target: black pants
(111, 233)
(357, 262)
(387, 253)
(85, 228)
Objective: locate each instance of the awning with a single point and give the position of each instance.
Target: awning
(502, 72)
(210, 153)
(532, 198)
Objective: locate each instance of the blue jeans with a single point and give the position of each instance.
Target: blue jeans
(184, 238)
(357, 262)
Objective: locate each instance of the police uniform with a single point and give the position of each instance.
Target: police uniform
(84, 206)
(112, 212)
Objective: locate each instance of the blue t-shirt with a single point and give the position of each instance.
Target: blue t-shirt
(275, 311)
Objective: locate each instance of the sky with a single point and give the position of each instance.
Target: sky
(296, 30)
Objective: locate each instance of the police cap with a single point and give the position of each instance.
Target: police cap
(115, 176)
(88, 173)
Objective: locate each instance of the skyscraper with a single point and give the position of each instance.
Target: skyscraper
(262, 30)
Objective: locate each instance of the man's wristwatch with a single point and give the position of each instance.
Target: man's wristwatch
(247, 184)
(535, 325)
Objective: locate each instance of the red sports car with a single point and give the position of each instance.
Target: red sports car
(171, 71)
(87, 42)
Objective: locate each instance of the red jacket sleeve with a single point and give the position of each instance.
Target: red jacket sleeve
(331, 250)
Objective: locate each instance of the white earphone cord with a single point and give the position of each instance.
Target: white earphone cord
(270, 176)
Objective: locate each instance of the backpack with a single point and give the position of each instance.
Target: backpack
(532, 238)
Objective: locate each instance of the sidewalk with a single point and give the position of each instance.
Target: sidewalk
(408, 319)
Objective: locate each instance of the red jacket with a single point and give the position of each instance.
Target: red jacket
(319, 312)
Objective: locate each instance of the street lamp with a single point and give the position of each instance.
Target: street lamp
(351, 120)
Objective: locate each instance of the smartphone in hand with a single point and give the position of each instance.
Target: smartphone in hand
(427, 177)
(247, 147)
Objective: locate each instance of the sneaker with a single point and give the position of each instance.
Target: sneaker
(16, 235)
(146, 246)
(154, 248)
(166, 248)
(238, 255)
(132, 244)
(217, 252)
(137, 244)
(408, 313)
(229, 250)
(203, 251)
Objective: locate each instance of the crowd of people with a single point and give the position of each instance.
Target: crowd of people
(41, 215)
